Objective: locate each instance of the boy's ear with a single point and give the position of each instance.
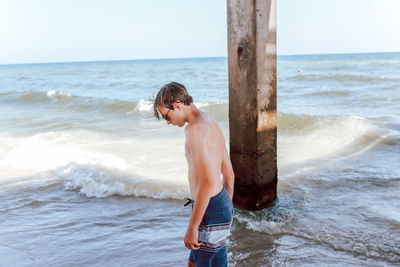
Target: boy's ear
(176, 105)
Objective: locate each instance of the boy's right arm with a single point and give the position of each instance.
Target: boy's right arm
(228, 176)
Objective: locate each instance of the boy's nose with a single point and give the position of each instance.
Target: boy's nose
(169, 122)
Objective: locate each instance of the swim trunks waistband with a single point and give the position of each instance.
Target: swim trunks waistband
(214, 198)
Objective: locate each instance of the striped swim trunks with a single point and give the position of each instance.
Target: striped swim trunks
(213, 231)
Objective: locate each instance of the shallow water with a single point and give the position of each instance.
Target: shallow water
(89, 178)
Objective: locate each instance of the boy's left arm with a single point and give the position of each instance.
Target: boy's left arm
(199, 153)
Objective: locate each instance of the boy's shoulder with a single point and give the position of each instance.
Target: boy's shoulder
(198, 132)
(193, 131)
(196, 127)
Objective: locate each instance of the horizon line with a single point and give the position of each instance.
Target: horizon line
(188, 58)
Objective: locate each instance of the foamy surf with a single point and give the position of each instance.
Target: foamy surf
(146, 106)
(91, 161)
(51, 150)
(96, 165)
(54, 95)
(92, 182)
(327, 138)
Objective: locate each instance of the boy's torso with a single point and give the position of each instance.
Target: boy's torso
(215, 143)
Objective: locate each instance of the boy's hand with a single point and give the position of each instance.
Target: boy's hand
(191, 239)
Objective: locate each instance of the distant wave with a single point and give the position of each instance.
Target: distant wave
(71, 102)
(339, 78)
(22, 78)
(330, 93)
(33, 97)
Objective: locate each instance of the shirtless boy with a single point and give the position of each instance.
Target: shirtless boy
(207, 159)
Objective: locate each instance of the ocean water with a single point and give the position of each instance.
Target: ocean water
(89, 178)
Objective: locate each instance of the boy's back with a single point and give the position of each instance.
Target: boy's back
(204, 134)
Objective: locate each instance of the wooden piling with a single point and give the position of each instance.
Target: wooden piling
(252, 101)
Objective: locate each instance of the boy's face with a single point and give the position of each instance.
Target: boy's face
(172, 116)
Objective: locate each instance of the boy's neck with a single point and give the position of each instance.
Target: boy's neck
(192, 113)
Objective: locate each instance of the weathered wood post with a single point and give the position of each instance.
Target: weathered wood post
(252, 101)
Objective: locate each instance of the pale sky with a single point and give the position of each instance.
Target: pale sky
(85, 30)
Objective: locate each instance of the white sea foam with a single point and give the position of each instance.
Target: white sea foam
(201, 104)
(46, 151)
(155, 167)
(99, 166)
(147, 105)
(92, 182)
(263, 226)
(55, 94)
(329, 138)
(144, 106)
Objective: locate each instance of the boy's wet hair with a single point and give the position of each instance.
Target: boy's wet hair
(170, 93)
